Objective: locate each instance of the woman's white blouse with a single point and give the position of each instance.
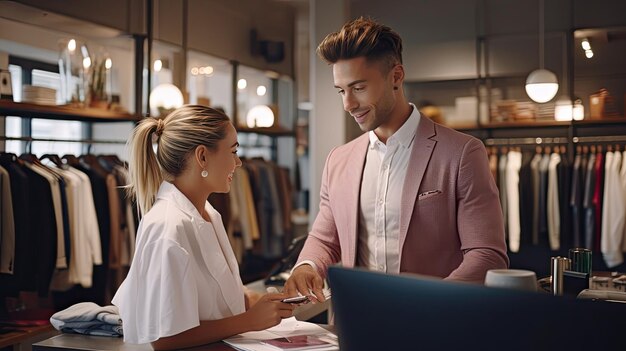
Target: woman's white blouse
(183, 271)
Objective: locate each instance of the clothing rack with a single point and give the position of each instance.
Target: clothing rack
(89, 142)
(525, 141)
(600, 139)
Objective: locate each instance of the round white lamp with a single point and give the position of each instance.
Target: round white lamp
(541, 85)
(164, 98)
(260, 116)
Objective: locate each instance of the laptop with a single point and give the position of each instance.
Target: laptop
(376, 311)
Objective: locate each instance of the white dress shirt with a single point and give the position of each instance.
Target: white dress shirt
(381, 192)
(183, 271)
(513, 166)
(87, 251)
(612, 212)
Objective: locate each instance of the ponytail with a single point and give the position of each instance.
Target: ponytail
(145, 173)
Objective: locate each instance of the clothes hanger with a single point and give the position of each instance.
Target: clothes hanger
(31, 158)
(55, 159)
(8, 157)
(71, 160)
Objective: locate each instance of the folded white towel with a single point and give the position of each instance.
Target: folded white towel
(88, 318)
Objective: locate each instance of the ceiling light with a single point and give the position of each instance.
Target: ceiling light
(158, 64)
(87, 62)
(260, 116)
(541, 84)
(589, 53)
(585, 44)
(242, 84)
(164, 98)
(71, 45)
(261, 90)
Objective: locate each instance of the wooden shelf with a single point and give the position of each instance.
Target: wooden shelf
(602, 121)
(271, 131)
(526, 124)
(21, 109)
(543, 124)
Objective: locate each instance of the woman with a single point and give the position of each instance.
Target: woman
(183, 288)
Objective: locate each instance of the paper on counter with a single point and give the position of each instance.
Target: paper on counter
(250, 341)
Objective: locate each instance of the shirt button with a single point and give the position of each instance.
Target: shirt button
(381, 268)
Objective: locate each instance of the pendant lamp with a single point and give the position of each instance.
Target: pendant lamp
(541, 84)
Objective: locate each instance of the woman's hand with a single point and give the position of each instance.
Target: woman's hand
(251, 297)
(268, 311)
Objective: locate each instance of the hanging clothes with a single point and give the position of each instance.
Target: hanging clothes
(514, 164)
(553, 203)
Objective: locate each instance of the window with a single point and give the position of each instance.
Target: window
(209, 81)
(25, 71)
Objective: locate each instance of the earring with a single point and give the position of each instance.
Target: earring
(204, 173)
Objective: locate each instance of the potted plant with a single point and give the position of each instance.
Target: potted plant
(97, 83)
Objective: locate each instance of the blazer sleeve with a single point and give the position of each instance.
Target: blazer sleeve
(322, 245)
(479, 217)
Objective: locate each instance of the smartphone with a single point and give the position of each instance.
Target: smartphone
(296, 299)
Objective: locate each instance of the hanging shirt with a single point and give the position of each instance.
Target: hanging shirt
(554, 211)
(613, 212)
(183, 271)
(7, 236)
(381, 192)
(513, 166)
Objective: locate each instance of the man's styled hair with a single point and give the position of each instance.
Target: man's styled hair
(362, 37)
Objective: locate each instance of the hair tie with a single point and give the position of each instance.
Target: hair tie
(160, 127)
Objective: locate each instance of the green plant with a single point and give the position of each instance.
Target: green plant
(97, 81)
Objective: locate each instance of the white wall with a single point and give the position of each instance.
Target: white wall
(327, 119)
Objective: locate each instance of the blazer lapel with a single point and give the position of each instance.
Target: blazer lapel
(420, 156)
(354, 169)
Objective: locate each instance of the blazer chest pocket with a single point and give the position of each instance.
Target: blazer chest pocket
(428, 194)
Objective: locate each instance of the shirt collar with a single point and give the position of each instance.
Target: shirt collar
(403, 136)
(169, 191)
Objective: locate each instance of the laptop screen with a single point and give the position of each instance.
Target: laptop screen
(375, 311)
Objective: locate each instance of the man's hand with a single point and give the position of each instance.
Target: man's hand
(305, 280)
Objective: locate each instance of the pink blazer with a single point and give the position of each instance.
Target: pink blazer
(450, 222)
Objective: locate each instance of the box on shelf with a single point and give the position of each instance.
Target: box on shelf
(466, 111)
(602, 105)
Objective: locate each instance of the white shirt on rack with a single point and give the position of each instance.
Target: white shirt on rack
(612, 211)
(513, 166)
(381, 191)
(183, 271)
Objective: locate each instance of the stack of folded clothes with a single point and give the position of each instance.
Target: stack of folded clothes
(88, 318)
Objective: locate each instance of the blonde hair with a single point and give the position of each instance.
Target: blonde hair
(177, 136)
(362, 37)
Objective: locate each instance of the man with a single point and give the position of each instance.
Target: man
(407, 196)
